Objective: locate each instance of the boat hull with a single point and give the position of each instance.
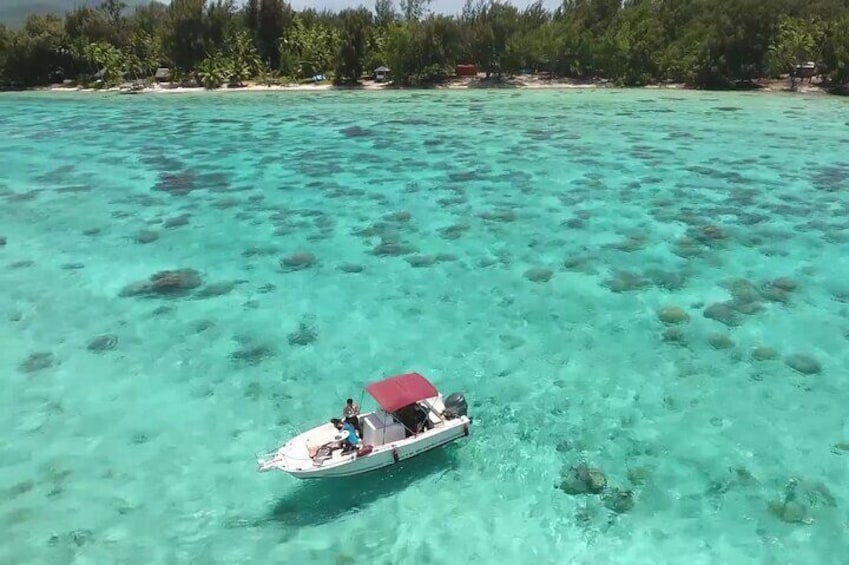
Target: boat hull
(380, 457)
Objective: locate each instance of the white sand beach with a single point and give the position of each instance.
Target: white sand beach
(538, 81)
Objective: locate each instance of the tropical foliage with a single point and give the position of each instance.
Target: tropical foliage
(706, 43)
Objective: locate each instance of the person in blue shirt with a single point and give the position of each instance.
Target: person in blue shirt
(350, 442)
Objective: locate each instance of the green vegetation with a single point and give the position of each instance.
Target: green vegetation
(704, 43)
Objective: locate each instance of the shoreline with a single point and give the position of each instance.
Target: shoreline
(524, 82)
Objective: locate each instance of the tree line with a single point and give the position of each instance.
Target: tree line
(704, 43)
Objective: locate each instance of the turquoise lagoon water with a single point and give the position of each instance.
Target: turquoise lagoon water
(519, 247)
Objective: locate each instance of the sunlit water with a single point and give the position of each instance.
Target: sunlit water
(515, 246)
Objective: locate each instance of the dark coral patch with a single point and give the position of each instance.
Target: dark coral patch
(623, 281)
(667, 280)
(165, 283)
(402, 216)
(832, 178)
(709, 235)
(303, 335)
(631, 243)
(351, 268)
(355, 131)
(454, 231)
(102, 343)
(419, 261)
(146, 236)
(539, 274)
(218, 289)
(185, 182)
(503, 216)
(297, 261)
(392, 249)
(687, 248)
(578, 263)
(176, 221)
(36, 362)
(260, 251)
(720, 341)
(743, 291)
(674, 336)
(804, 364)
(177, 184)
(778, 290)
(723, 312)
(252, 354)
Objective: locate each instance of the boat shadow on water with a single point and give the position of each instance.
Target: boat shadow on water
(319, 501)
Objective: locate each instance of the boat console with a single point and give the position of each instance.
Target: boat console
(380, 428)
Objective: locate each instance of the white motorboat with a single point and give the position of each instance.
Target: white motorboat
(412, 418)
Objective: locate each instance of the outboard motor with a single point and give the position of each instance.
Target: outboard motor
(455, 406)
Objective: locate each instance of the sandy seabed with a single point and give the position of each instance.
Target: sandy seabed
(651, 283)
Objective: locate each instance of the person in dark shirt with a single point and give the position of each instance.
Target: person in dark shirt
(350, 414)
(350, 409)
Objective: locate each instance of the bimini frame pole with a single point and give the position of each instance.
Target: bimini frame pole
(433, 411)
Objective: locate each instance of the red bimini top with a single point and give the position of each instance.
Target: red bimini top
(401, 390)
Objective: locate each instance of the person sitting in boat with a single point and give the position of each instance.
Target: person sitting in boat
(354, 422)
(351, 440)
(347, 445)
